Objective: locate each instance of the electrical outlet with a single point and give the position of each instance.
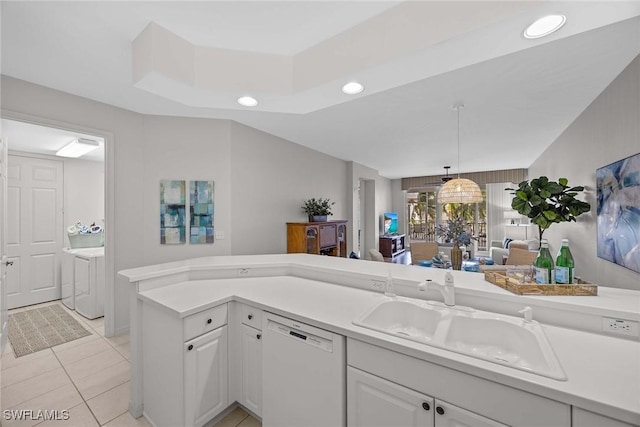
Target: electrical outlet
(378, 285)
(219, 235)
(243, 272)
(620, 326)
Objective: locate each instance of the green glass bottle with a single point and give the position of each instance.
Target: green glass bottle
(564, 264)
(544, 264)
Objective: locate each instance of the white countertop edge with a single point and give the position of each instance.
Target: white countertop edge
(299, 264)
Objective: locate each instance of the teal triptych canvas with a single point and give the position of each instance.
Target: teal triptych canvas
(172, 212)
(201, 208)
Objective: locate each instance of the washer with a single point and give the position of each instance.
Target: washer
(66, 284)
(89, 281)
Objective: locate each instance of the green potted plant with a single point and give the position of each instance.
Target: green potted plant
(317, 209)
(455, 231)
(548, 202)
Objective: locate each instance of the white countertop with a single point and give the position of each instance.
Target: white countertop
(603, 372)
(86, 252)
(470, 286)
(328, 292)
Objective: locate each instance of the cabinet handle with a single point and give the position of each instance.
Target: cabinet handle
(425, 406)
(250, 316)
(190, 347)
(209, 321)
(259, 336)
(440, 410)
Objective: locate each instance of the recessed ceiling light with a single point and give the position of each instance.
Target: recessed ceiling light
(247, 101)
(544, 26)
(352, 88)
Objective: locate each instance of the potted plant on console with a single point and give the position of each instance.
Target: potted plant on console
(547, 202)
(455, 231)
(317, 209)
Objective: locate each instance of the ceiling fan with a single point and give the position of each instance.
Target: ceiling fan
(443, 179)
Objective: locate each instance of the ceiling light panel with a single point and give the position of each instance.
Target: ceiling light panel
(78, 148)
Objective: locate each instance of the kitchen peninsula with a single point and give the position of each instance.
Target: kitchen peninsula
(329, 293)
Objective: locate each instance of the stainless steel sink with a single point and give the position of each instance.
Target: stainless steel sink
(506, 340)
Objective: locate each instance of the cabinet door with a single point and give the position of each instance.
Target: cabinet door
(312, 240)
(582, 418)
(375, 402)
(252, 369)
(205, 377)
(448, 415)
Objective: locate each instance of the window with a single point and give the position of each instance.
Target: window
(423, 213)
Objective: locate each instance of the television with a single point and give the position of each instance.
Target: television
(390, 221)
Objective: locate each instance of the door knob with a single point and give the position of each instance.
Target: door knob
(8, 263)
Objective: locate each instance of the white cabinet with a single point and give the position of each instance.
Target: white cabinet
(463, 399)
(448, 415)
(251, 344)
(206, 376)
(184, 365)
(582, 418)
(376, 402)
(249, 389)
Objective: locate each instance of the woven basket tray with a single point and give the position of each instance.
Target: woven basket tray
(511, 284)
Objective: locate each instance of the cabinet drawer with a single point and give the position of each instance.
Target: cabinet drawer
(205, 321)
(251, 316)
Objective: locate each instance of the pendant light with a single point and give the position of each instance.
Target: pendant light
(459, 190)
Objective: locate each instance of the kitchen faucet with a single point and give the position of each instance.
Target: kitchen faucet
(447, 290)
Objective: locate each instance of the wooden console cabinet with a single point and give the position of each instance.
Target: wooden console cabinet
(319, 238)
(391, 245)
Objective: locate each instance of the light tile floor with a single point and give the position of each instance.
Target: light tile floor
(89, 377)
(238, 418)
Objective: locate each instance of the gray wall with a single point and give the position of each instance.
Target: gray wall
(83, 192)
(371, 193)
(260, 180)
(270, 178)
(607, 131)
(127, 127)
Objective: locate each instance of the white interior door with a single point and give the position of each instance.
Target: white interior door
(34, 230)
(4, 263)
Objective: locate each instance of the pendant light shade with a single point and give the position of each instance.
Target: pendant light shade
(459, 190)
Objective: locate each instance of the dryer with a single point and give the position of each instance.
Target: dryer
(83, 280)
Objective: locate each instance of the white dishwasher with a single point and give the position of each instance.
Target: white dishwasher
(304, 380)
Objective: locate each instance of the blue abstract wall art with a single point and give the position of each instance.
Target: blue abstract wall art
(618, 213)
(201, 206)
(172, 212)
